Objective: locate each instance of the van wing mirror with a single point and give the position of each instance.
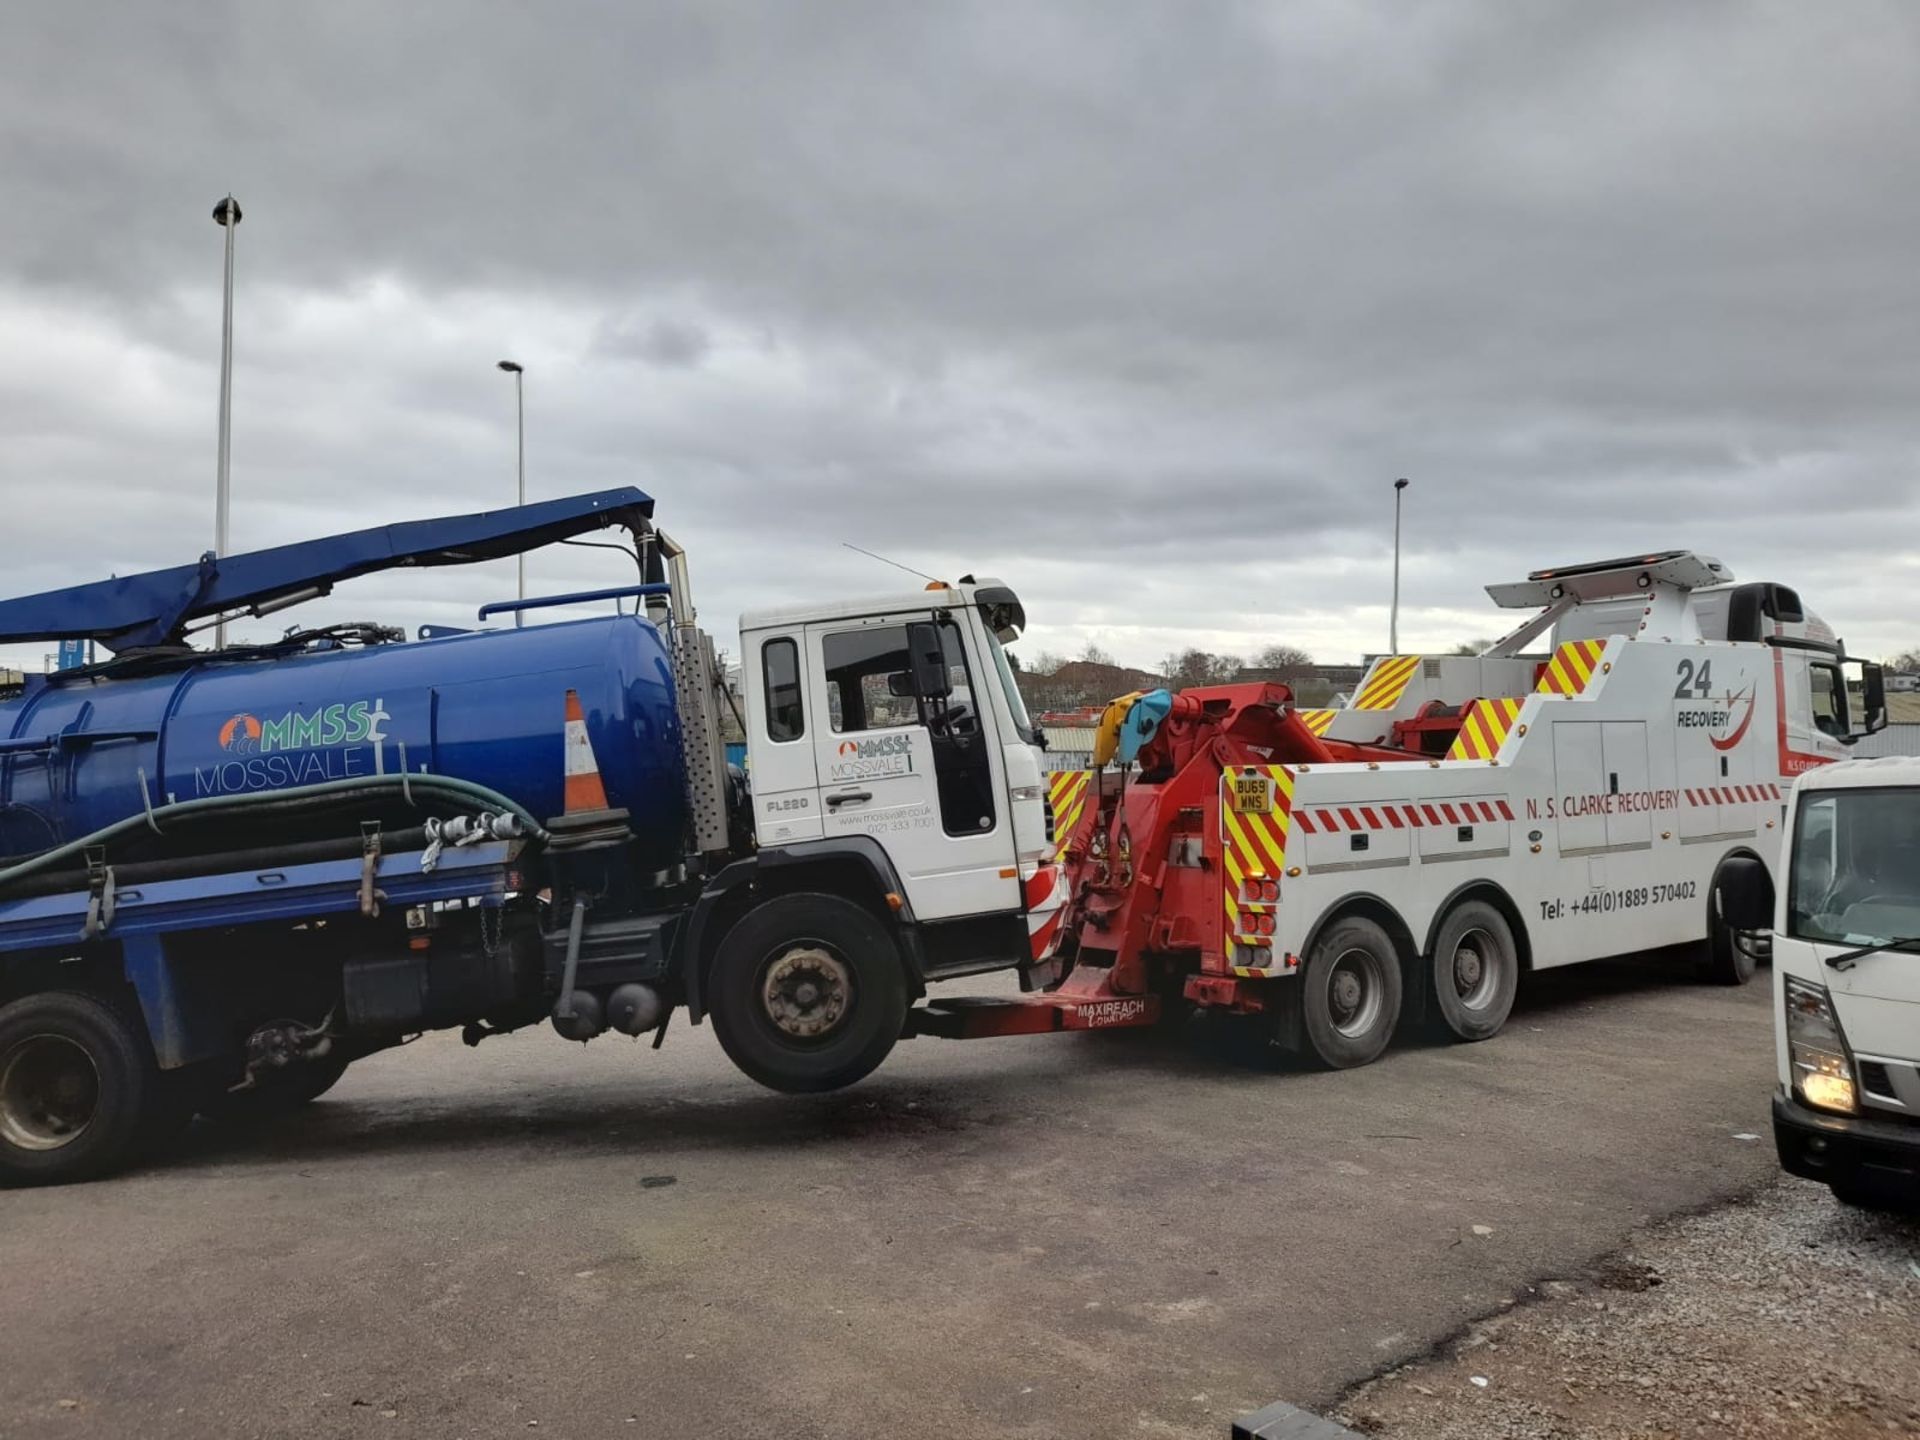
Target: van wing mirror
(1873, 698)
(1744, 894)
(929, 660)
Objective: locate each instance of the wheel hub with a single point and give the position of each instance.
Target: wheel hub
(1353, 993)
(49, 1091)
(1475, 980)
(806, 992)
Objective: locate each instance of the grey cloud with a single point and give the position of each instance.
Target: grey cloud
(1141, 305)
(658, 340)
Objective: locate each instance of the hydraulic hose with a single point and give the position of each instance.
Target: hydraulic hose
(269, 801)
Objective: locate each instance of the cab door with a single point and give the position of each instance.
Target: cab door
(780, 740)
(921, 774)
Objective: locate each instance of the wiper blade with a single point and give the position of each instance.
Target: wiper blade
(1846, 958)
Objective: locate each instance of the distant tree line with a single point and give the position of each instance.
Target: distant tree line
(1050, 682)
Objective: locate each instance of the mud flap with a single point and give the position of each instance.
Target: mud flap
(1285, 1028)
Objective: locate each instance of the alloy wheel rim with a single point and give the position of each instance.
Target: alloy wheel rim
(49, 1093)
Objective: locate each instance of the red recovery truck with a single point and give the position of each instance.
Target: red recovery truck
(1463, 819)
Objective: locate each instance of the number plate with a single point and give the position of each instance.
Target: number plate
(1252, 795)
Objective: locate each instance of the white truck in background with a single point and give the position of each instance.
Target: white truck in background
(1846, 978)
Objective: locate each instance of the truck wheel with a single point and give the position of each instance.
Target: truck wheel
(76, 1083)
(807, 993)
(1474, 972)
(275, 1096)
(1350, 995)
(1723, 962)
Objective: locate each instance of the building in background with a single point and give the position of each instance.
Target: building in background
(1066, 704)
(1080, 684)
(1069, 737)
(1313, 685)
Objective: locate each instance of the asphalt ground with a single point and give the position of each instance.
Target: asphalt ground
(1085, 1236)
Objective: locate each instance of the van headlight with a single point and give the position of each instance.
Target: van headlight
(1816, 1050)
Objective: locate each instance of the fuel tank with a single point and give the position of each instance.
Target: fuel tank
(487, 707)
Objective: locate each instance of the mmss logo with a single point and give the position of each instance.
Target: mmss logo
(877, 748)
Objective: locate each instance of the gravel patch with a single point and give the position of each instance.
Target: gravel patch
(1787, 1314)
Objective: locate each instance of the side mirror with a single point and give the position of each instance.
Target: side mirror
(900, 685)
(1744, 894)
(1873, 698)
(929, 660)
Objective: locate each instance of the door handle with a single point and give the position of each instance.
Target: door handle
(848, 797)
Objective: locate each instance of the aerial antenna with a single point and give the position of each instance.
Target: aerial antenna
(895, 563)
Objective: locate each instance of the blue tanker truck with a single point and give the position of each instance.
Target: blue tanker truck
(228, 873)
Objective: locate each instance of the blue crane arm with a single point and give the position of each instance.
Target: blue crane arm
(153, 609)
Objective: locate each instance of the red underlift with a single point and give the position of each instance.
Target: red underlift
(1144, 920)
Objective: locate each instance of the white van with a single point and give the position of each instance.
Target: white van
(1846, 978)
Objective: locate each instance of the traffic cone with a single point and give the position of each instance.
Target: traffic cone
(584, 790)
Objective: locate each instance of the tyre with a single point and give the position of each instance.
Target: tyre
(1886, 1199)
(1474, 971)
(278, 1095)
(807, 993)
(77, 1084)
(1350, 994)
(1723, 962)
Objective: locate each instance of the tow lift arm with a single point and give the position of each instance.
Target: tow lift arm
(1143, 871)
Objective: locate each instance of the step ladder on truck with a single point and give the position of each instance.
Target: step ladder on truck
(1576, 791)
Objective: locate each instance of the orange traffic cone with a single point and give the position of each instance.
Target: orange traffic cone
(584, 790)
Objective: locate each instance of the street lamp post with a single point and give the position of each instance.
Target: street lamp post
(227, 216)
(1393, 620)
(520, 406)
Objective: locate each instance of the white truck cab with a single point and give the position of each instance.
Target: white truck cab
(1846, 965)
(896, 720)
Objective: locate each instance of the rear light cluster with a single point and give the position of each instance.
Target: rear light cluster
(1256, 924)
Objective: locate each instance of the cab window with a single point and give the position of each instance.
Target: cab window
(1829, 700)
(861, 688)
(780, 675)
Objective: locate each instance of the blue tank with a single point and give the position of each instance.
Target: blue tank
(487, 707)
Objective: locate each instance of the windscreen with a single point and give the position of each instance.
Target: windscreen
(1856, 867)
(1016, 706)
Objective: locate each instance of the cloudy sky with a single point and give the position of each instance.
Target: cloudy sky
(1139, 306)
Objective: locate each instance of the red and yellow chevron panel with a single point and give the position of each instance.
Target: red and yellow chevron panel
(1067, 792)
(1316, 720)
(1253, 845)
(1571, 668)
(1485, 729)
(1386, 682)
